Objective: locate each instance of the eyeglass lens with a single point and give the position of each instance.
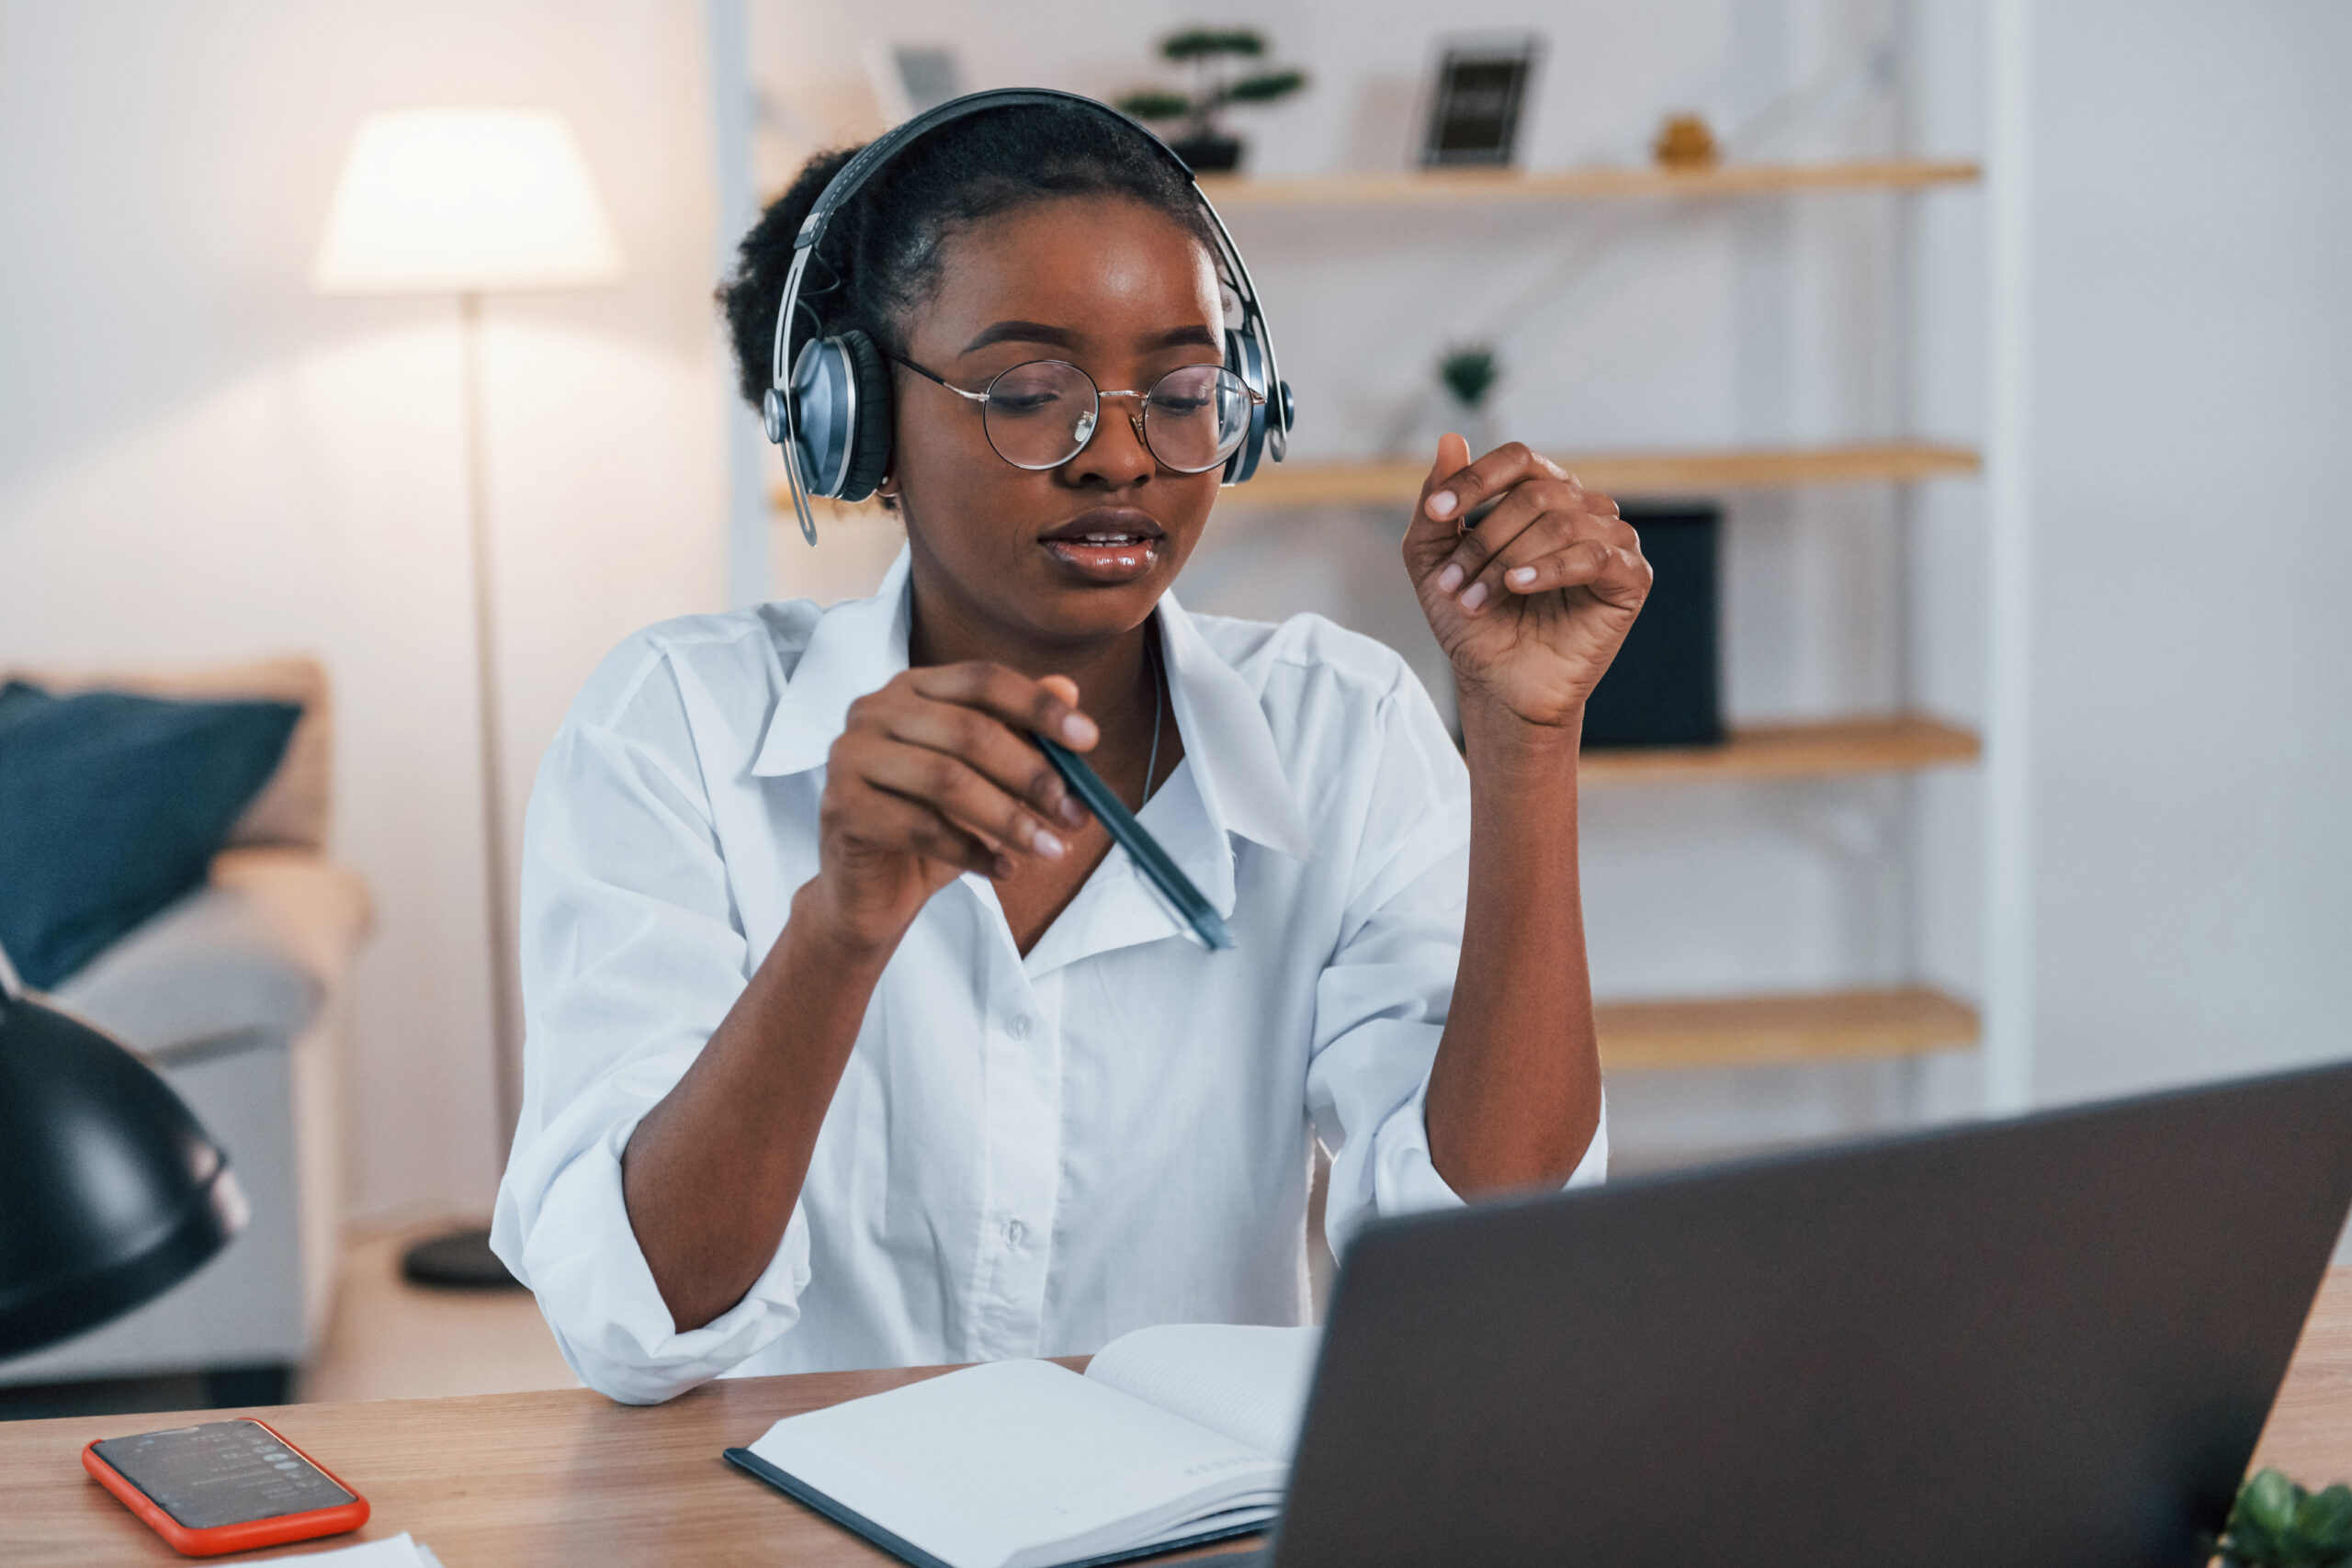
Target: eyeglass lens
(1041, 414)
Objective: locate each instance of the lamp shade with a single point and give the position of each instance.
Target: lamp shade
(454, 202)
(110, 1193)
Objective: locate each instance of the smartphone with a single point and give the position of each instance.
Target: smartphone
(224, 1487)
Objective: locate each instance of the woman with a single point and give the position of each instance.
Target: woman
(850, 1043)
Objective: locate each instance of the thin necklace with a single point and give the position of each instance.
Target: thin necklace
(1158, 691)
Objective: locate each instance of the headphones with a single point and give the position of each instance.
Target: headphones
(832, 411)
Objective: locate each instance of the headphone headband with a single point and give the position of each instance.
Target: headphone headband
(885, 147)
(783, 418)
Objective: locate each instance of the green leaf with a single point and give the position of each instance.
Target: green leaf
(2323, 1520)
(1267, 87)
(1155, 103)
(2268, 1502)
(2251, 1543)
(1201, 43)
(2325, 1524)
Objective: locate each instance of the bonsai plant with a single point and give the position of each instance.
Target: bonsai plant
(1211, 53)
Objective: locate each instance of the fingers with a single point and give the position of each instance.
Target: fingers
(1531, 515)
(876, 819)
(1462, 491)
(967, 798)
(1554, 526)
(1612, 572)
(939, 764)
(1043, 707)
(987, 746)
(1455, 489)
(1427, 539)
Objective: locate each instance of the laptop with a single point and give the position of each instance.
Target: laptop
(2048, 1341)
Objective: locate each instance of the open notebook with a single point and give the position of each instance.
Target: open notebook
(1174, 1434)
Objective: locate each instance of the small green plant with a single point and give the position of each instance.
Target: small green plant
(2276, 1524)
(1470, 372)
(1210, 51)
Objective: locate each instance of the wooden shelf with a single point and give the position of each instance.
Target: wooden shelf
(1622, 473)
(1877, 744)
(1614, 473)
(1589, 183)
(1828, 1026)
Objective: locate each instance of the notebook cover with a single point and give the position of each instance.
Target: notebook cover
(802, 1493)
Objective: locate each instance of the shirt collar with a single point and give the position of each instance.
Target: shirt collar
(1236, 764)
(858, 646)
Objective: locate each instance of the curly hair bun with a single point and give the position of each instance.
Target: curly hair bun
(882, 254)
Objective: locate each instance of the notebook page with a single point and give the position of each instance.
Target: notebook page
(1205, 1524)
(1247, 1381)
(1014, 1463)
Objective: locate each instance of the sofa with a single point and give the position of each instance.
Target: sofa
(239, 994)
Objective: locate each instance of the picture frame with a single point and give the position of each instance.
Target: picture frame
(1478, 100)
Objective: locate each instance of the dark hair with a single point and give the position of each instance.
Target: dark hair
(881, 256)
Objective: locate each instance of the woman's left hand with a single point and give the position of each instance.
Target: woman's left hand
(1532, 603)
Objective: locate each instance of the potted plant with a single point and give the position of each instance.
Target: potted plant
(1213, 54)
(2276, 1524)
(1468, 373)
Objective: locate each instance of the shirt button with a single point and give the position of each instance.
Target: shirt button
(1014, 1233)
(1020, 1026)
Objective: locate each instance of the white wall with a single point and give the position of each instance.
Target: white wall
(199, 459)
(2192, 381)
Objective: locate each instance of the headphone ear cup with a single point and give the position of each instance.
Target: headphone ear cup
(869, 453)
(1247, 359)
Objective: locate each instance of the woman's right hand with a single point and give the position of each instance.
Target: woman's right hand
(935, 775)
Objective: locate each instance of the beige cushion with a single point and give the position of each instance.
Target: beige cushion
(247, 960)
(292, 807)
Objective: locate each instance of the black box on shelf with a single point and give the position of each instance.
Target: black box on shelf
(1666, 686)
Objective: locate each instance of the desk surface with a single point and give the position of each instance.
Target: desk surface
(568, 1477)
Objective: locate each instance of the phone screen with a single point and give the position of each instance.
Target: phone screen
(222, 1472)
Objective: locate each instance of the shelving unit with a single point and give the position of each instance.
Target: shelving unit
(1600, 182)
(1835, 1025)
(1824, 1026)
(1686, 1033)
(1877, 744)
(1624, 473)
(1618, 473)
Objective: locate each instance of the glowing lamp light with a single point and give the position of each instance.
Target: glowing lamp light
(464, 201)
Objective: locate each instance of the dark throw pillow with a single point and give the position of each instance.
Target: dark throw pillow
(111, 806)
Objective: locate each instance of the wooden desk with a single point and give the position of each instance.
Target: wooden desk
(568, 1477)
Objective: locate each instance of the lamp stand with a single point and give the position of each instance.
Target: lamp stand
(462, 1257)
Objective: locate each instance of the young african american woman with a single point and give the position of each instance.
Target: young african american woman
(850, 1041)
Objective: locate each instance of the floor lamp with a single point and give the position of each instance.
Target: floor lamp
(468, 202)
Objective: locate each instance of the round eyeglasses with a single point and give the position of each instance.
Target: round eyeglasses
(1041, 414)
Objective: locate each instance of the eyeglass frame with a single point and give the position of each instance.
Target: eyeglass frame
(1257, 400)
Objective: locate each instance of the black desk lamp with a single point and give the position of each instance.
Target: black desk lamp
(110, 1193)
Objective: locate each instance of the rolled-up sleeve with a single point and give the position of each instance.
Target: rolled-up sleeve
(1382, 1000)
(632, 953)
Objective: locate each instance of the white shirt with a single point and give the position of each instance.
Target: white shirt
(1026, 1156)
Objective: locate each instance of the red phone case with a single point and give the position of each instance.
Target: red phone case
(242, 1536)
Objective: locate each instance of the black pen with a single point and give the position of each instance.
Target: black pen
(1167, 881)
